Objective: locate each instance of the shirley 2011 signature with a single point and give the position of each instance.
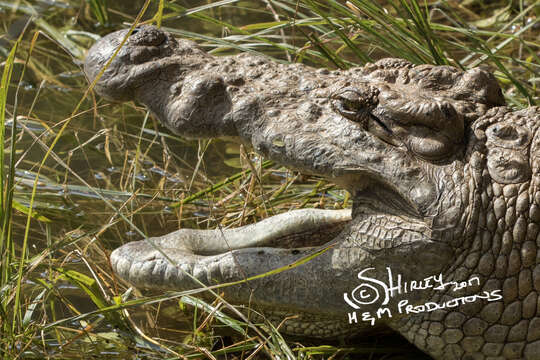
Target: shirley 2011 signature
(372, 290)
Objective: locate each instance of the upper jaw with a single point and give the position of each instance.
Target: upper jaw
(419, 128)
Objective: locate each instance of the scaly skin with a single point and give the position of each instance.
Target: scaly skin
(444, 180)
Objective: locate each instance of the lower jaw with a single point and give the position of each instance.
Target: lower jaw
(160, 262)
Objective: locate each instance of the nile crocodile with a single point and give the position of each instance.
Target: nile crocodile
(441, 244)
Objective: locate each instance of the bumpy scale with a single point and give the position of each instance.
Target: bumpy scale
(444, 178)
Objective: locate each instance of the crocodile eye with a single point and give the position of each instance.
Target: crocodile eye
(349, 103)
(355, 99)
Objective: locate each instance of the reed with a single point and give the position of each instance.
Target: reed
(80, 176)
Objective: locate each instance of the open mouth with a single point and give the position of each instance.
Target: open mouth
(307, 228)
(170, 261)
(296, 233)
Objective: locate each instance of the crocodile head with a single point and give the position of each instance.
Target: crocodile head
(442, 187)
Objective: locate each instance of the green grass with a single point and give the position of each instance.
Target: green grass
(81, 176)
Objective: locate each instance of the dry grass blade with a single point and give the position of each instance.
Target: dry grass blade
(77, 186)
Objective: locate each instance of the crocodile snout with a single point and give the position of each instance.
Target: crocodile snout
(147, 36)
